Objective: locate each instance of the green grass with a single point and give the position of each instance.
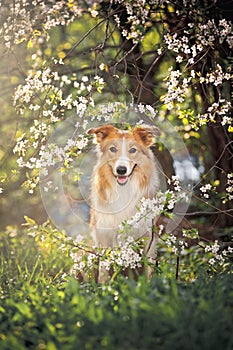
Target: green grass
(44, 307)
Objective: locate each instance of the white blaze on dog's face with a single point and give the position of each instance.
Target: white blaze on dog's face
(123, 150)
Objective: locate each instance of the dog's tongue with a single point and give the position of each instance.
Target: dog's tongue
(122, 179)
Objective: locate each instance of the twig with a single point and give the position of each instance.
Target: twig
(177, 266)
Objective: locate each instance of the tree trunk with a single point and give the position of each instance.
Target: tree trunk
(141, 82)
(222, 154)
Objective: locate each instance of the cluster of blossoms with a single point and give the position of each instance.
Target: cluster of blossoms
(39, 132)
(216, 77)
(181, 46)
(149, 209)
(229, 188)
(206, 35)
(83, 262)
(221, 109)
(137, 16)
(218, 110)
(26, 20)
(153, 207)
(128, 254)
(218, 255)
(175, 182)
(48, 156)
(146, 109)
(189, 52)
(204, 190)
(51, 155)
(177, 88)
(176, 244)
(211, 31)
(50, 84)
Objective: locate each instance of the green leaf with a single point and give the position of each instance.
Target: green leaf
(29, 221)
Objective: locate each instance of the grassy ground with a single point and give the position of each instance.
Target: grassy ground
(44, 307)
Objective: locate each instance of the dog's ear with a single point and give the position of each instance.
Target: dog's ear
(145, 134)
(102, 132)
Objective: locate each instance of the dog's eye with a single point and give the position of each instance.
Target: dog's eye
(113, 149)
(132, 150)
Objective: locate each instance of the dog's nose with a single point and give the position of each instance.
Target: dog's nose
(121, 170)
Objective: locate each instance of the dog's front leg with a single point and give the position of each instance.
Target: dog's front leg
(103, 273)
(106, 239)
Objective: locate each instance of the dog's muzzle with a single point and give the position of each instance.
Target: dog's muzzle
(122, 179)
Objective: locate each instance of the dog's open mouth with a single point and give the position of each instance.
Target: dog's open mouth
(122, 180)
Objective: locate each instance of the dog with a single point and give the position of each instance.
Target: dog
(125, 173)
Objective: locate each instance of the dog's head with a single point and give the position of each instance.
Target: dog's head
(123, 150)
